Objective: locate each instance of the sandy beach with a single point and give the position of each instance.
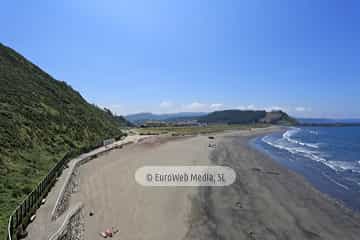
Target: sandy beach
(109, 190)
(267, 201)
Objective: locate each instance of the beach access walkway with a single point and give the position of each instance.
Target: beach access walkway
(44, 226)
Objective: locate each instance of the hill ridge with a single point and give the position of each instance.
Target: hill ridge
(229, 116)
(41, 120)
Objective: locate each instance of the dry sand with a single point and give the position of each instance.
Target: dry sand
(108, 188)
(267, 201)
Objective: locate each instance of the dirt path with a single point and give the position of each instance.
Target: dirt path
(43, 227)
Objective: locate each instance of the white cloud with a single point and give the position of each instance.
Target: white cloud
(166, 104)
(302, 109)
(254, 107)
(274, 108)
(250, 107)
(195, 106)
(199, 107)
(216, 106)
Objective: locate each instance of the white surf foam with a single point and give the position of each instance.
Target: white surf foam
(288, 134)
(313, 155)
(344, 166)
(336, 182)
(294, 150)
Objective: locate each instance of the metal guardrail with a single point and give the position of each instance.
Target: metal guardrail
(20, 218)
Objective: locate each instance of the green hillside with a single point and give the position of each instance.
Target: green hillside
(41, 119)
(279, 118)
(248, 116)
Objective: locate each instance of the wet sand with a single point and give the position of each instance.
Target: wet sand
(267, 201)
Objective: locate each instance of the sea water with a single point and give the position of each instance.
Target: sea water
(328, 157)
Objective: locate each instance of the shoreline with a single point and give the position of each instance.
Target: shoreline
(307, 171)
(252, 144)
(267, 201)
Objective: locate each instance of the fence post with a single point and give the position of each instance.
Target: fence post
(37, 195)
(18, 213)
(32, 200)
(11, 227)
(22, 211)
(25, 206)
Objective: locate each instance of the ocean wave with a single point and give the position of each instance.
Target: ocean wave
(295, 150)
(336, 182)
(313, 132)
(288, 134)
(337, 166)
(344, 166)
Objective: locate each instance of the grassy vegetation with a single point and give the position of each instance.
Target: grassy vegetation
(41, 120)
(248, 116)
(193, 130)
(233, 117)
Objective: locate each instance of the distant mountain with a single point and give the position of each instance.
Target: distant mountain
(221, 117)
(248, 116)
(41, 119)
(139, 118)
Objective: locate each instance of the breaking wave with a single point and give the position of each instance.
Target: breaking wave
(344, 166)
(293, 149)
(307, 150)
(288, 134)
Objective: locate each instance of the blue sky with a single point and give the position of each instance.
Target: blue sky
(169, 56)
